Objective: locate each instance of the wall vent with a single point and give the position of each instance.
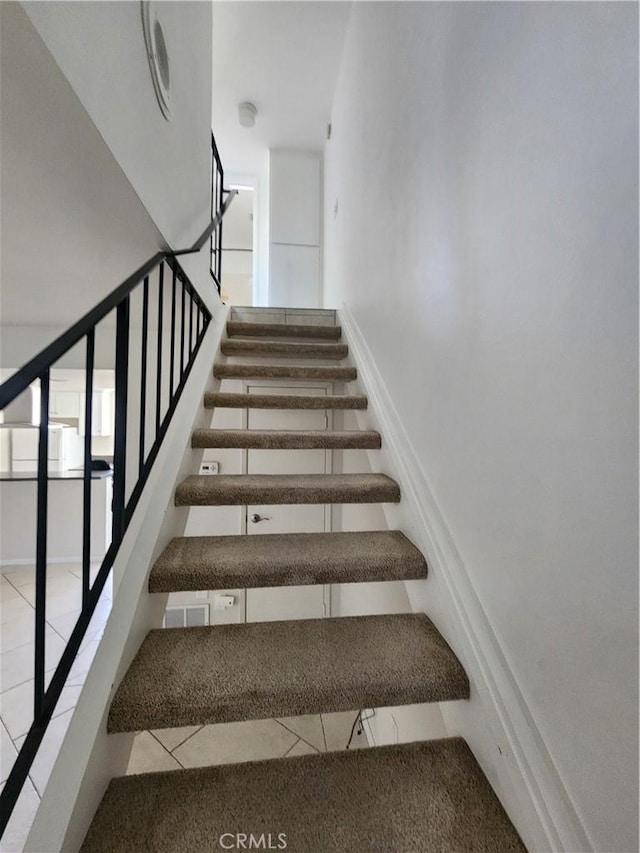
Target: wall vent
(186, 616)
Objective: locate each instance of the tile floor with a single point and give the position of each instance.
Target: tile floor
(165, 749)
(17, 618)
(227, 743)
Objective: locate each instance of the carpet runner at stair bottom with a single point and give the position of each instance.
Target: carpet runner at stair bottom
(427, 797)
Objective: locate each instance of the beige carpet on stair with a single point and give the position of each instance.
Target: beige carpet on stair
(283, 371)
(300, 439)
(280, 330)
(253, 671)
(429, 797)
(281, 401)
(238, 489)
(280, 559)
(283, 349)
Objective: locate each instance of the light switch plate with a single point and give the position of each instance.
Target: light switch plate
(209, 467)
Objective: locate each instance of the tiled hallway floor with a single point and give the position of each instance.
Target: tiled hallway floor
(227, 743)
(166, 749)
(17, 620)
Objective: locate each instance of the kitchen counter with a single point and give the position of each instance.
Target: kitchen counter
(75, 474)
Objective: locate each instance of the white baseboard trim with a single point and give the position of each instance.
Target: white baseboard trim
(538, 800)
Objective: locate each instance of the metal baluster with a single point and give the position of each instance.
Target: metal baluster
(220, 203)
(41, 544)
(173, 336)
(120, 438)
(182, 330)
(39, 369)
(190, 322)
(159, 358)
(214, 205)
(86, 499)
(143, 372)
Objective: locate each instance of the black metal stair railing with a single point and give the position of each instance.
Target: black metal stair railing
(218, 202)
(170, 308)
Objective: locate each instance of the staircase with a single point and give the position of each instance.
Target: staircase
(429, 796)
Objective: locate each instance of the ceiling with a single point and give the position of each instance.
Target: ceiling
(284, 57)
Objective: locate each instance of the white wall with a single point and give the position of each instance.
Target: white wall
(72, 226)
(484, 160)
(295, 194)
(78, 197)
(259, 182)
(238, 254)
(100, 49)
(405, 723)
(261, 238)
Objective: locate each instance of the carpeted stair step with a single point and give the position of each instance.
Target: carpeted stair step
(283, 371)
(236, 489)
(282, 330)
(418, 797)
(273, 439)
(283, 349)
(259, 670)
(282, 559)
(282, 401)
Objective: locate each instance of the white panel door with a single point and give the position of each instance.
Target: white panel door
(301, 602)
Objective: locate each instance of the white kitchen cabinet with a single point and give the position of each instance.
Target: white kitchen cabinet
(57, 446)
(24, 444)
(64, 404)
(102, 412)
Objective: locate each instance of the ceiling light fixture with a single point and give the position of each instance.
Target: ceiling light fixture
(247, 114)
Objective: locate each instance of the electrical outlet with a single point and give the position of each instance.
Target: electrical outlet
(209, 467)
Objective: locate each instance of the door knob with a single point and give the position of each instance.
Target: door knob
(256, 518)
